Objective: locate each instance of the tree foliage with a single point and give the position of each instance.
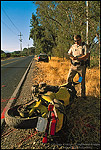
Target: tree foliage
(37, 33)
(2, 52)
(58, 21)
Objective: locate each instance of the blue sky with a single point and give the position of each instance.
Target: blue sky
(15, 18)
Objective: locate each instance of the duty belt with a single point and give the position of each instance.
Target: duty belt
(76, 63)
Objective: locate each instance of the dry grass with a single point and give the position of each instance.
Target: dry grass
(84, 115)
(55, 73)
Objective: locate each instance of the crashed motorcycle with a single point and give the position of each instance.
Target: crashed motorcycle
(46, 111)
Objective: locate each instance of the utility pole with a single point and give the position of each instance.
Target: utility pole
(20, 41)
(87, 32)
(87, 22)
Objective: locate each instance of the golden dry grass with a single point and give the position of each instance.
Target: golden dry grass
(84, 115)
(55, 73)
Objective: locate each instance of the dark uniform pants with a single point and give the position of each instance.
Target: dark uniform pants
(81, 70)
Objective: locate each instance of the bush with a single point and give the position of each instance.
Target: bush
(8, 54)
(94, 62)
(3, 55)
(15, 55)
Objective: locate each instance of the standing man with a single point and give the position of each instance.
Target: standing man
(80, 54)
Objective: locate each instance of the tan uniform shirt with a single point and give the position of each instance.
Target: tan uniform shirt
(78, 50)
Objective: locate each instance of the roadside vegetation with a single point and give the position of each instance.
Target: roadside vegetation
(55, 73)
(24, 52)
(84, 115)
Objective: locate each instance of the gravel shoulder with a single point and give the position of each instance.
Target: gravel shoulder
(25, 138)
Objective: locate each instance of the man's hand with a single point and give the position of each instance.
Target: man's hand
(74, 58)
(83, 57)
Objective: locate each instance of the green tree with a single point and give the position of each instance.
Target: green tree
(25, 52)
(3, 55)
(59, 17)
(62, 19)
(32, 50)
(2, 52)
(69, 17)
(40, 40)
(34, 31)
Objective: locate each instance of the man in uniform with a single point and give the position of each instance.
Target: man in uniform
(80, 54)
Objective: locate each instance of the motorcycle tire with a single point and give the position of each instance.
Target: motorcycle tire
(14, 120)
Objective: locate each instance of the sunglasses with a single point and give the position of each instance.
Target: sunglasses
(76, 40)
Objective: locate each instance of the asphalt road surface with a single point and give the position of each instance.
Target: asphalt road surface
(11, 73)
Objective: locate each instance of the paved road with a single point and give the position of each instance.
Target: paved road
(11, 73)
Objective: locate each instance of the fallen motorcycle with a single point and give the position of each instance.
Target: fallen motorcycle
(46, 111)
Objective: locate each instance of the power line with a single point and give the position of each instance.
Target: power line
(10, 19)
(8, 27)
(14, 26)
(13, 31)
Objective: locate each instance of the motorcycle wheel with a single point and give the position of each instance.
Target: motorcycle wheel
(13, 119)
